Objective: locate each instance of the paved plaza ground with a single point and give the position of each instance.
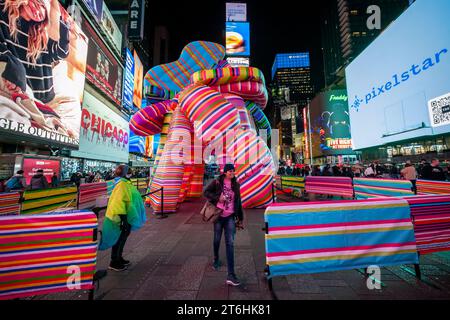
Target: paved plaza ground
(172, 259)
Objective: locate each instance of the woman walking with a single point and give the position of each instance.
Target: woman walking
(125, 213)
(224, 192)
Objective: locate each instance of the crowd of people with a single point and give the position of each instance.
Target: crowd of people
(409, 171)
(18, 182)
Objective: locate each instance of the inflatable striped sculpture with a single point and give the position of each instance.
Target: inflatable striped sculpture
(215, 109)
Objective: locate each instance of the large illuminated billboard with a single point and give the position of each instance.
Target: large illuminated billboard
(238, 38)
(330, 124)
(399, 87)
(42, 76)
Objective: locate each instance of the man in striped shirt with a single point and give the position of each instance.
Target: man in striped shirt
(33, 38)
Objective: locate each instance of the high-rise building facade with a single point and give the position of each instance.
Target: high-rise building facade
(293, 71)
(348, 27)
(291, 89)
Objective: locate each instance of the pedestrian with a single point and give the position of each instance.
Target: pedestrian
(125, 213)
(410, 173)
(436, 173)
(370, 171)
(55, 180)
(38, 181)
(16, 182)
(224, 192)
(393, 173)
(424, 170)
(76, 178)
(289, 171)
(326, 171)
(357, 169)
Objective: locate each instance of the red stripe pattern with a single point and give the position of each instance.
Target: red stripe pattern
(431, 219)
(335, 186)
(9, 203)
(46, 253)
(89, 192)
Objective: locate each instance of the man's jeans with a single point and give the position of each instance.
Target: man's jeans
(228, 224)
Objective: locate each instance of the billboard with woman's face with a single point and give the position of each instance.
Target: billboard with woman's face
(42, 72)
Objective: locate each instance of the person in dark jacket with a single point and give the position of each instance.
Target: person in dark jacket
(224, 192)
(76, 178)
(38, 181)
(55, 180)
(436, 172)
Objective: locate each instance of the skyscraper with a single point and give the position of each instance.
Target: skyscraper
(348, 27)
(291, 84)
(293, 71)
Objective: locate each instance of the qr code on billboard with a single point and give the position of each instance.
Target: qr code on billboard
(440, 111)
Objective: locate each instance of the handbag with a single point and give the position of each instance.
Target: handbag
(210, 213)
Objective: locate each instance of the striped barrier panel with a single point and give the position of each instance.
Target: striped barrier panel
(9, 203)
(322, 236)
(140, 183)
(366, 188)
(39, 254)
(431, 219)
(334, 186)
(109, 187)
(432, 187)
(296, 183)
(278, 182)
(89, 192)
(39, 201)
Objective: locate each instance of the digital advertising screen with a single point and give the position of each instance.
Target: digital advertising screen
(236, 11)
(138, 81)
(95, 7)
(237, 38)
(43, 92)
(330, 124)
(399, 87)
(112, 29)
(30, 167)
(128, 81)
(103, 69)
(104, 134)
(137, 143)
(238, 61)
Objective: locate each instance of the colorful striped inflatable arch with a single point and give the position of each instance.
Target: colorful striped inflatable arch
(322, 236)
(39, 253)
(210, 103)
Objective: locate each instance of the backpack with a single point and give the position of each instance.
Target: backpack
(14, 183)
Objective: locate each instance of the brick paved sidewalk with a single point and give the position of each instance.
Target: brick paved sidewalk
(172, 259)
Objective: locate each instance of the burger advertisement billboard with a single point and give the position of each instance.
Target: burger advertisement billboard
(237, 38)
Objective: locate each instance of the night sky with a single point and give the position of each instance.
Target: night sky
(275, 27)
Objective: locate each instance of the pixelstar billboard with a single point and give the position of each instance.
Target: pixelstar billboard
(399, 87)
